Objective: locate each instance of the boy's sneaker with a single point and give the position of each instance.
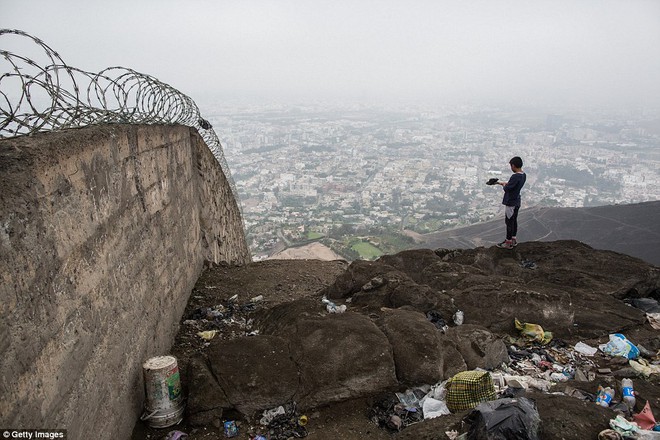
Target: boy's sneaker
(506, 244)
(514, 242)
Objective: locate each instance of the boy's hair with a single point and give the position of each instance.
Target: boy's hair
(516, 162)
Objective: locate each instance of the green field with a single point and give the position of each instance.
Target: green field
(366, 250)
(313, 235)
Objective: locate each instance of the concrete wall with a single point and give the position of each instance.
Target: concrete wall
(103, 233)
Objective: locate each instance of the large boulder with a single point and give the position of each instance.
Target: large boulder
(358, 273)
(255, 372)
(340, 357)
(206, 399)
(420, 355)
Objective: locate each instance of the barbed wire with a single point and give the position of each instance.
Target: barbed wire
(49, 96)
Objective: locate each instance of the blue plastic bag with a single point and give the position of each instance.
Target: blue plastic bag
(620, 346)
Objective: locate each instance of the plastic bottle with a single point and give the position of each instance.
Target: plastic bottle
(605, 396)
(628, 393)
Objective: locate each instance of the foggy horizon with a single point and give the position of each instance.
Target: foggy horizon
(546, 53)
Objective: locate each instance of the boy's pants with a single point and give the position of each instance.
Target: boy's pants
(511, 220)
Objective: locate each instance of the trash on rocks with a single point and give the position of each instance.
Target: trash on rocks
(436, 319)
(585, 349)
(523, 383)
(628, 392)
(432, 408)
(469, 388)
(654, 320)
(459, 317)
(257, 298)
(605, 396)
(208, 334)
(388, 411)
(270, 414)
(233, 298)
(645, 418)
(230, 428)
(624, 427)
(533, 332)
(332, 307)
(412, 397)
(647, 305)
(528, 264)
(175, 435)
(609, 434)
(620, 346)
(643, 367)
(510, 419)
(283, 422)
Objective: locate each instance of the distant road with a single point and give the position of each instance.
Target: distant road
(629, 229)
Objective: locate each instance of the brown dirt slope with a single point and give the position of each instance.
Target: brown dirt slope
(574, 291)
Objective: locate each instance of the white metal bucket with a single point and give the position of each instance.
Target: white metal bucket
(164, 400)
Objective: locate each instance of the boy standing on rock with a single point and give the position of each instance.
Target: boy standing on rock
(512, 202)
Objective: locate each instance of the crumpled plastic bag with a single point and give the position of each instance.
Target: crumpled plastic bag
(208, 334)
(585, 349)
(620, 346)
(643, 367)
(645, 418)
(533, 332)
(654, 320)
(432, 408)
(505, 419)
(624, 427)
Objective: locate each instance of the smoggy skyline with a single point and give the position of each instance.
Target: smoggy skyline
(545, 52)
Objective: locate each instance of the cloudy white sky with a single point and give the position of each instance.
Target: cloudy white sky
(593, 51)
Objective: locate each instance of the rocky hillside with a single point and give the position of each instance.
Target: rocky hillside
(276, 342)
(630, 229)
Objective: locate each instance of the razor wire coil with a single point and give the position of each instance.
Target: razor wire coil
(51, 96)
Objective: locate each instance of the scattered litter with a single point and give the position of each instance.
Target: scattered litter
(270, 414)
(332, 307)
(624, 427)
(648, 305)
(436, 319)
(257, 298)
(654, 320)
(208, 334)
(175, 435)
(432, 408)
(284, 422)
(620, 346)
(533, 332)
(628, 393)
(233, 298)
(459, 317)
(511, 419)
(645, 417)
(230, 428)
(609, 434)
(391, 414)
(605, 396)
(643, 367)
(585, 349)
(528, 264)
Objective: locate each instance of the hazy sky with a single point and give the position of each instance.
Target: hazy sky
(559, 50)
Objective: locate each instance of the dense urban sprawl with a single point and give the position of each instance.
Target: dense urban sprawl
(358, 177)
